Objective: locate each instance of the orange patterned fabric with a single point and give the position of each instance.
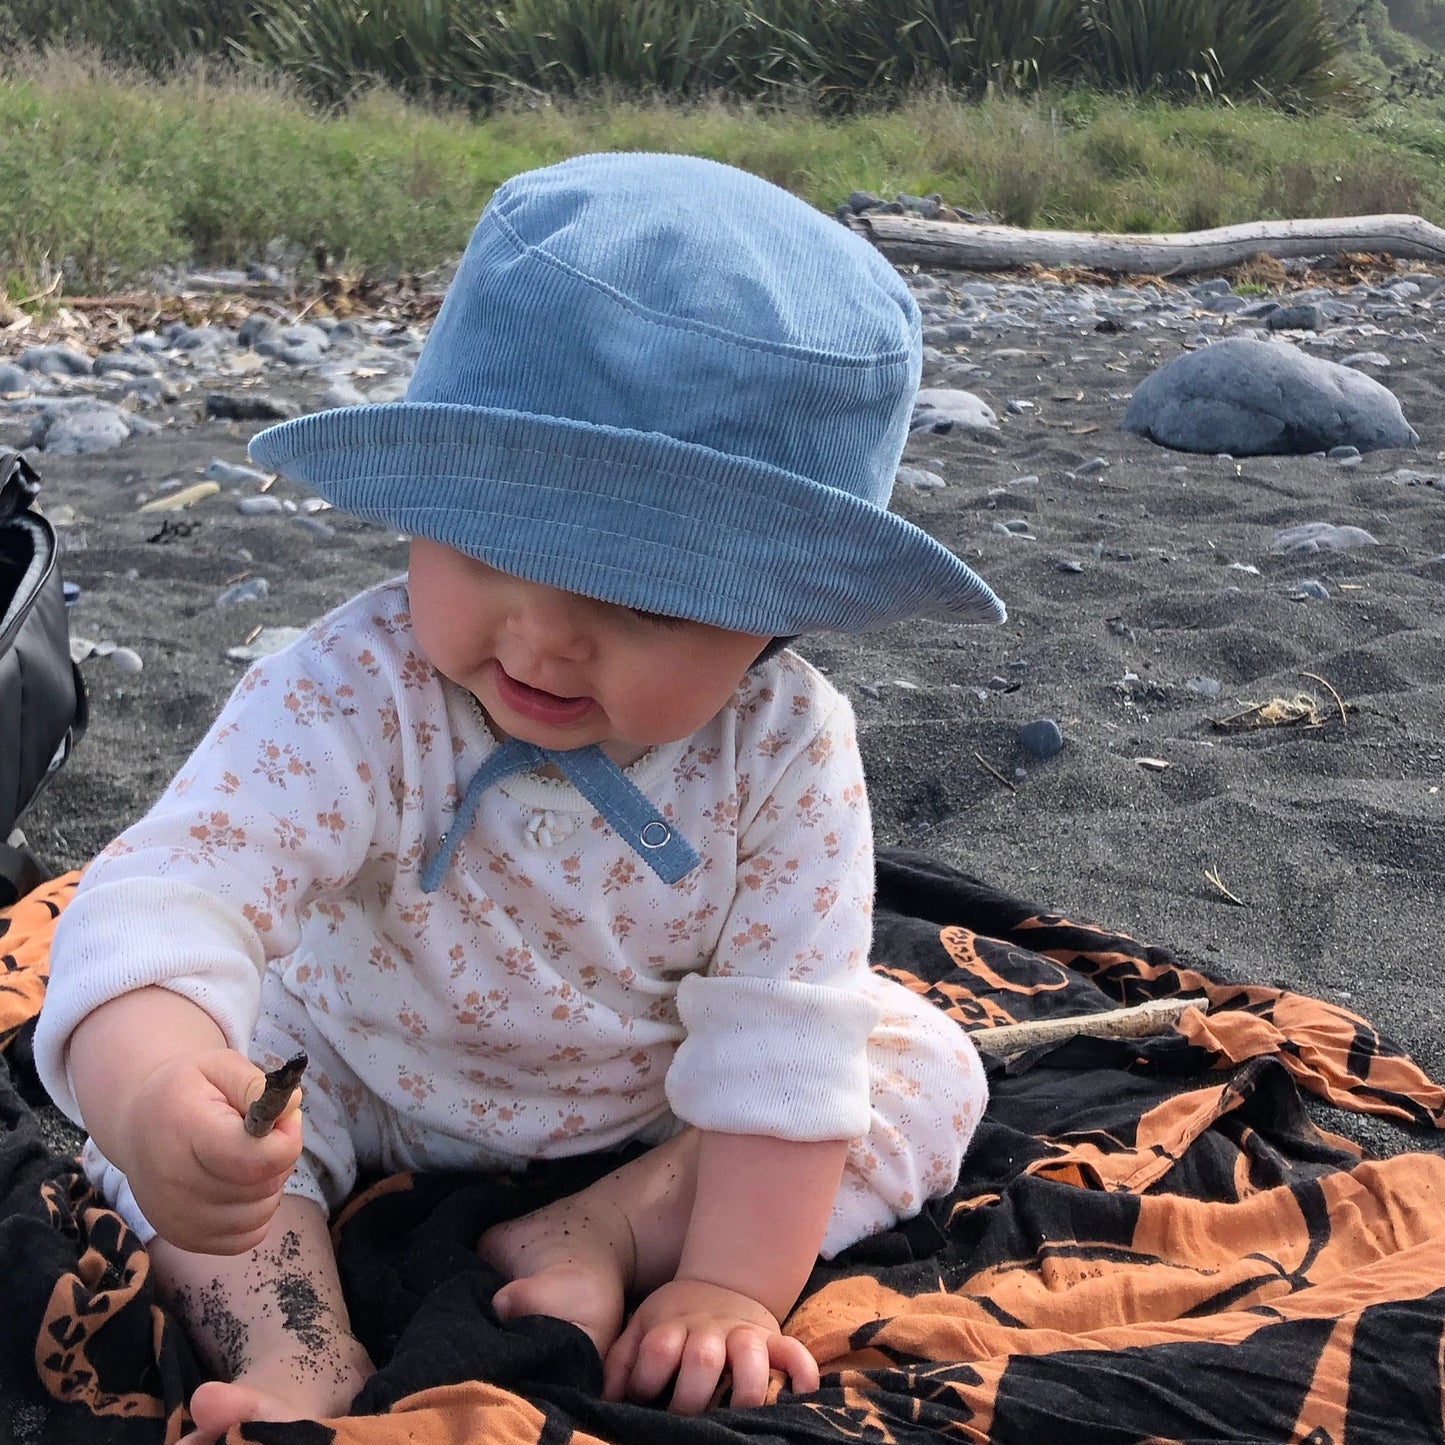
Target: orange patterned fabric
(25, 930)
(1150, 1241)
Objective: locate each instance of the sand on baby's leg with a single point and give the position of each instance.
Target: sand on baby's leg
(581, 1258)
(270, 1324)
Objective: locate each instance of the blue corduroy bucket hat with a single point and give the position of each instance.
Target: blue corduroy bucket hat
(662, 382)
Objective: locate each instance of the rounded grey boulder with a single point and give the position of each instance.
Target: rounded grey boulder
(1249, 397)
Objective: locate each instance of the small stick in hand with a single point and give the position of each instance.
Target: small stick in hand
(262, 1113)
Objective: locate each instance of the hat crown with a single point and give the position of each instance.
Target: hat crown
(674, 295)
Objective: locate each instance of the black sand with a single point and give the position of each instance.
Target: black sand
(1331, 836)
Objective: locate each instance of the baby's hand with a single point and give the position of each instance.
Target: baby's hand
(696, 1331)
(205, 1183)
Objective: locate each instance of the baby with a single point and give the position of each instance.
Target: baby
(550, 845)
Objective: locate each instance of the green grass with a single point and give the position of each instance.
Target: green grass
(106, 177)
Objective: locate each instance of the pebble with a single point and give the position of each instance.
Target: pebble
(252, 407)
(229, 474)
(1042, 738)
(264, 643)
(944, 409)
(919, 479)
(262, 506)
(1320, 536)
(254, 589)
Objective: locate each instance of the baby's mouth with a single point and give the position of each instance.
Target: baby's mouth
(539, 704)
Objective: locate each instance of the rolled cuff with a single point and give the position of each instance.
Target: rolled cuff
(112, 940)
(774, 1057)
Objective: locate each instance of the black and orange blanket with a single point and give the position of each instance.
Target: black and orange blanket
(1150, 1241)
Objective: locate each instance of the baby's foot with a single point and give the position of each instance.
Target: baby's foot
(272, 1391)
(570, 1261)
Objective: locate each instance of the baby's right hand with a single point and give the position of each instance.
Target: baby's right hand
(205, 1184)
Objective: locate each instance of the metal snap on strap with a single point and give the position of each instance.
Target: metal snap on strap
(655, 834)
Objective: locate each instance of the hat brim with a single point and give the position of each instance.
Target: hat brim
(635, 518)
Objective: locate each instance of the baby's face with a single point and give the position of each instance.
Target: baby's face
(561, 670)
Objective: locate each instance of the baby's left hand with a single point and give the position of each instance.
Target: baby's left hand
(696, 1331)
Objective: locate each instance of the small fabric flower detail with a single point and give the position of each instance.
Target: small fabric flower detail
(546, 829)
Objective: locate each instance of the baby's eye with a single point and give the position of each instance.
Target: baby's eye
(658, 619)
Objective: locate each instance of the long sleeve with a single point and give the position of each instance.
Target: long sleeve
(277, 805)
(777, 1026)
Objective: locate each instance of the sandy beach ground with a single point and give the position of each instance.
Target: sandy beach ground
(1134, 588)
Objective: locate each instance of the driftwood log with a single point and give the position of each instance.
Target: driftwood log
(1157, 1016)
(959, 246)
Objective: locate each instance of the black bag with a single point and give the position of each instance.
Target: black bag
(42, 699)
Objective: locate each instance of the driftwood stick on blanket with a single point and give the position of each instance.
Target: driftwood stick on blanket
(960, 246)
(1157, 1016)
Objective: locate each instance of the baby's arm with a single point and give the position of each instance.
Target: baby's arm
(164, 1099)
(758, 1216)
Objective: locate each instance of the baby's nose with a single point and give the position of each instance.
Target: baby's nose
(550, 621)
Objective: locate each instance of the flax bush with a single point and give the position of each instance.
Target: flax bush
(844, 54)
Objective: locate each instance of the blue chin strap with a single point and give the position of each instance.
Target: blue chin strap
(631, 815)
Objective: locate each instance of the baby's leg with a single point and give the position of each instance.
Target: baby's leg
(579, 1258)
(271, 1324)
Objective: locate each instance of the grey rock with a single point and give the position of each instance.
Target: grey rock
(1223, 305)
(197, 338)
(1205, 686)
(1320, 537)
(130, 362)
(229, 474)
(55, 361)
(942, 409)
(15, 380)
(252, 407)
(148, 390)
(256, 327)
(926, 207)
(124, 659)
(342, 393)
(1310, 587)
(254, 589)
(263, 506)
(1249, 397)
(1365, 358)
(301, 353)
(83, 428)
(1306, 317)
(305, 335)
(919, 479)
(1041, 738)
